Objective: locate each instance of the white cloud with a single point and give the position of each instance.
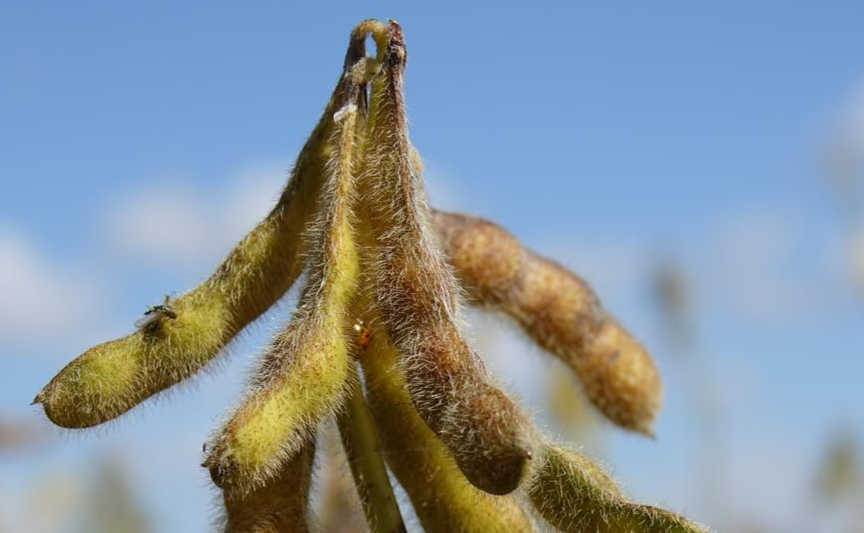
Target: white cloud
(251, 196)
(749, 264)
(758, 266)
(856, 258)
(39, 295)
(614, 266)
(854, 120)
(769, 480)
(844, 157)
(165, 224)
(47, 504)
(761, 266)
(445, 192)
(171, 225)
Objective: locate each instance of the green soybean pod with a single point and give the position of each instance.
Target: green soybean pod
(182, 337)
(303, 375)
(575, 495)
(279, 506)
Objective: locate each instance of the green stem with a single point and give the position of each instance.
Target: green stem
(367, 465)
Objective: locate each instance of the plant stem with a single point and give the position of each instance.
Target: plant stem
(367, 465)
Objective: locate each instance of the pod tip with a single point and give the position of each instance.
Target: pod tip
(39, 398)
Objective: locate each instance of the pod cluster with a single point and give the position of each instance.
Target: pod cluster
(376, 345)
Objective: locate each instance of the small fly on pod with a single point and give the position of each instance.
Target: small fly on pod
(154, 315)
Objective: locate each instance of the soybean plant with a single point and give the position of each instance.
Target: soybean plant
(376, 344)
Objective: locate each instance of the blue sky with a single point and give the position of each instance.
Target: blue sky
(138, 141)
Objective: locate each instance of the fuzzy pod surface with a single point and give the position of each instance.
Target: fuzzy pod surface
(457, 443)
(417, 299)
(443, 499)
(279, 506)
(111, 378)
(560, 312)
(303, 375)
(575, 495)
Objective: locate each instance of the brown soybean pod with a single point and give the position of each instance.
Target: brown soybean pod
(574, 495)
(279, 506)
(559, 311)
(417, 299)
(113, 377)
(443, 499)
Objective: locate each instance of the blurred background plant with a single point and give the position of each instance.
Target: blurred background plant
(725, 133)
